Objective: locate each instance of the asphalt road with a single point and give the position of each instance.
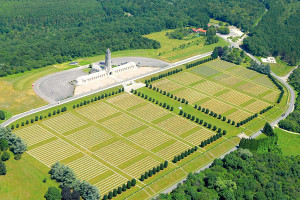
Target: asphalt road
(16, 117)
(55, 87)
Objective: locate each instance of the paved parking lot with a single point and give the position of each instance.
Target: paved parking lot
(57, 86)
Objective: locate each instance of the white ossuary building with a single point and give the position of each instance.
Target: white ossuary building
(107, 72)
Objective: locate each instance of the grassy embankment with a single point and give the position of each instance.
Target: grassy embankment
(288, 142)
(280, 68)
(24, 179)
(17, 95)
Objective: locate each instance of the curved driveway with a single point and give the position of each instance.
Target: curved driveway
(57, 86)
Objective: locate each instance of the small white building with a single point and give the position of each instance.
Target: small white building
(268, 60)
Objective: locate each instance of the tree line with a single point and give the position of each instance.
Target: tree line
(153, 171)
(185, 115)
(41, 117)
(47, 33)
(243, 174)
(233, 55)
(277, 37)
(9, 141)
(256, 171)
(215, 115)
(184, 154)
(115, 192)
(64, 109)
(67, 178)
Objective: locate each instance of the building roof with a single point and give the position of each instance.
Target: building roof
(199, 30)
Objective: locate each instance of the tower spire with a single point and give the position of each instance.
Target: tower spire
(108, 61)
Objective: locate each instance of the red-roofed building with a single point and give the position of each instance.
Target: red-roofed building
(199, 30)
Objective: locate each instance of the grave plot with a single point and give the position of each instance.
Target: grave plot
(206, 71)
(176, 125)
(125, 101)
(167, 85)
(273, 96)
(235, 97)
(97, 111)
(122, 124)
(257, 106)
(113, 181)
(64, 123)
(53, 151)
(253, 89)
(209, 87)
(238, 115)
(185, 78)
(138, 168)
(87, 168)
(199, 136)
(34, 134)
(149, 112)
(89, 136)
(264, 80)
(176, 148)
(221, 64)
(228, 79)
(244, 72)
(216, 106)
(117, 153)
(150, 138)
(191, 95)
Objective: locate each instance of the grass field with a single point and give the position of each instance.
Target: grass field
(287, 142)
(17, 95)
(24, 179)
(280, 68)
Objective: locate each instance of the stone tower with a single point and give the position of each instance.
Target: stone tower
(108, 67)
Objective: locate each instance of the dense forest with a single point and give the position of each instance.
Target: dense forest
(292, 122)
(37, 33)
(278, 32)
(243, 174)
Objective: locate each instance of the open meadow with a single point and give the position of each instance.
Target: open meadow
(118, 138)
(288, 142)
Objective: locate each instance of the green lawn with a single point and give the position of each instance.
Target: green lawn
(288, 142)
(24, 179)
(281, 68)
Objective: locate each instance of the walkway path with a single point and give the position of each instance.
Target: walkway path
(285, 78)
